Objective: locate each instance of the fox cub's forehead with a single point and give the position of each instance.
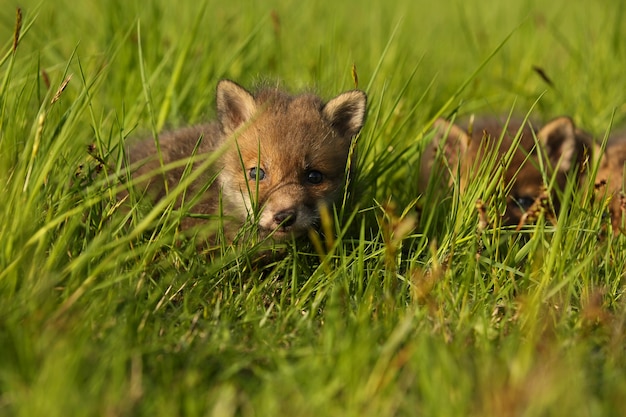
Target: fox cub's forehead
(300, 111)
(491, 135)
(299, 121)
(281, 101)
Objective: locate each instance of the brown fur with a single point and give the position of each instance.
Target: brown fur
(563, 148)
(610, 177)
(297, 145)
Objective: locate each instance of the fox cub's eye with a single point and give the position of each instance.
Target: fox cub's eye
(256, 174)
(524, 202)
(314, 177)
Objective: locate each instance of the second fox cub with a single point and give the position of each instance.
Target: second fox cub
(610, 178)
(563, 147)
(283, 157)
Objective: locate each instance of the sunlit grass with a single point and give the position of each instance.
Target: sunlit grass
(404, 306)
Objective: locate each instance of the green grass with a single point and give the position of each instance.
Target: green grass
(109, 312)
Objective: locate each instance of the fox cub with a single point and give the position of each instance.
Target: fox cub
(564, 149)
(280, 157)
(611, 175)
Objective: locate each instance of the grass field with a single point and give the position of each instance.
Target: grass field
(105, 312)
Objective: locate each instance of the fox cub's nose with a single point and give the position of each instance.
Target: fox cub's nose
(285, 218)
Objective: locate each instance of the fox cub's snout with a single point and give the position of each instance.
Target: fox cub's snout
(283, 156)
(562, 148)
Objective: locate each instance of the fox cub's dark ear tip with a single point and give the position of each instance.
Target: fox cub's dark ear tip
(557, 131)
(227, 87)
(562, 142)
(440, 122)
(224, 82)
(444, 128)
(346, 112)
(454, 135)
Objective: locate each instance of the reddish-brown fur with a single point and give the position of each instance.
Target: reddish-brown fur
(610, 177)
(292, 149)
(563, 148)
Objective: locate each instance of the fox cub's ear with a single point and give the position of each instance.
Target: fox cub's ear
(456, 141)
(346, 112)
(564, 144)
(235, 105)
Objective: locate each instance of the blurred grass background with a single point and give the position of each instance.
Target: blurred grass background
(102, 318)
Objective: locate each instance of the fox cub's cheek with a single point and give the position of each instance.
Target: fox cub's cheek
(325, 191)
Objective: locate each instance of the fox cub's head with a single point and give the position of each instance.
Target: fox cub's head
(562, 148)
(610, 178)
(288, 155)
